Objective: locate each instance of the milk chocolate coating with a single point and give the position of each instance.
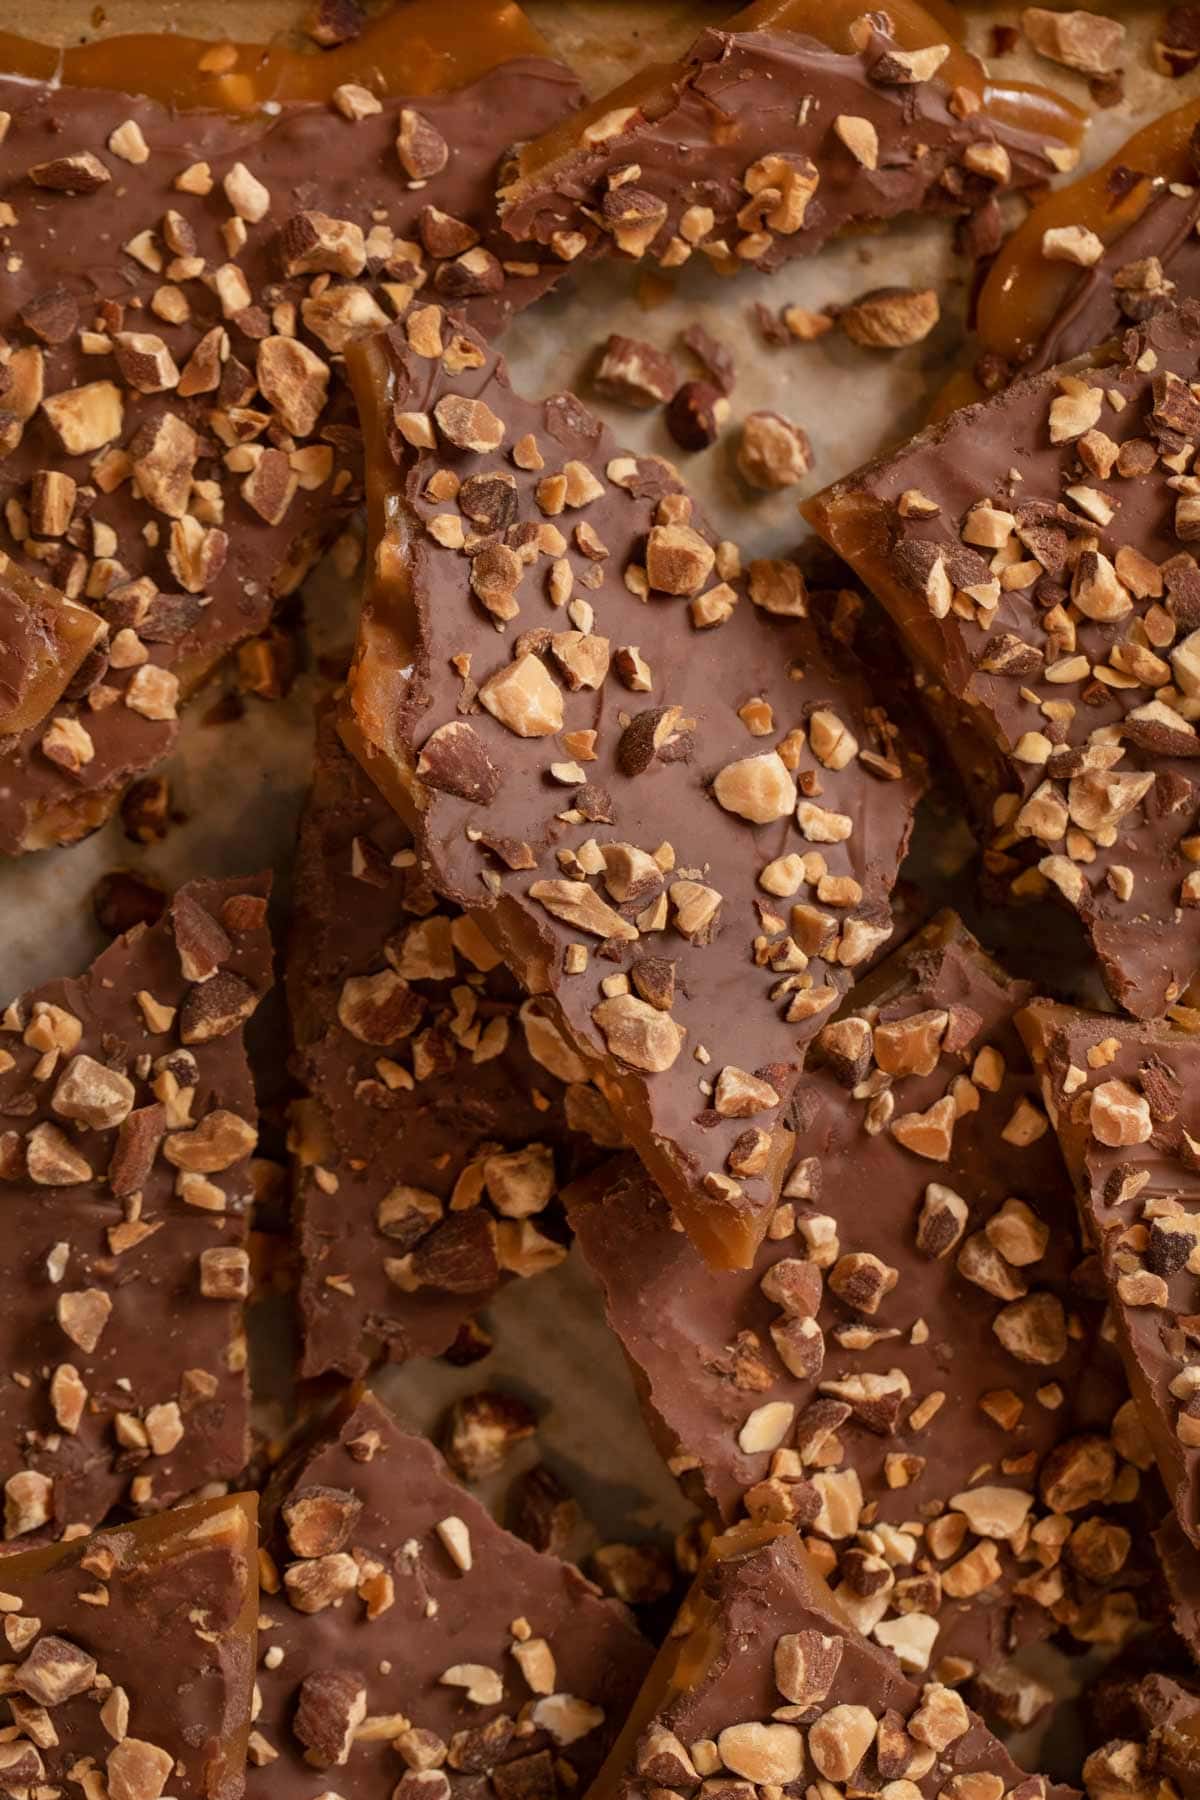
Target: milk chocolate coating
(727, 1667)
(151, 1622)
(741, 96)
(69, 271)
(1008, 663)
(1180, 1563)
(358, 912)
(1158, 1718)
(365, 1489)
(103, 1270)
(1095, 308)
(519, 811)
(1136, 1199)
(701, 1345)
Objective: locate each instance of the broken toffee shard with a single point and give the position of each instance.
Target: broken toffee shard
(1035, 553)
(127, 1121)
(913, 1318)
(1097, 255)
(179, 442)
(764, 1681)
(674, 808)
(779, 130)
(407, 1639)
(442, 1112)
(1155, 1746)
(1125, 1101)
(130, 1657)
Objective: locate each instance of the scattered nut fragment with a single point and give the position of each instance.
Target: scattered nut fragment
(758, 788)
(1073, 244)
(773, 452)
(890, 318)
(482, 1431)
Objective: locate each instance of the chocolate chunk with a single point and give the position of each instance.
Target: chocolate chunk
(175, 424)
(100, 1633)
(421, 1642)
(867, 1367)
(1125, 1100)
(752, 760)
(1083, 694)
(765, 1682)
(759, 145)
(470, 1109)
(128, 1194)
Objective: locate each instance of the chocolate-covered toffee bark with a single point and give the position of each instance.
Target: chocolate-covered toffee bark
(179, 442)
(1158, 1749)
(412, 1646)
(907, 1370)
(127, 1121)
(779, 130)
(1034, 552)
(129, 1658)
(1095, 256)
(676, 810)
(1125, 1101)
(436, 1128)
(764, 1686)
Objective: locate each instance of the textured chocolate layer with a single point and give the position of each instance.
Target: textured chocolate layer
(1125, 1101)
(428, 1169)
(1094, 256)
(675, 808)
(911, 1370)
(130, 1657)
(412, 1642)
(1123, 286)
(180, 443)
(765, 141)
(1033, 552)
(1180, 1563)
(763, 1681)
(127, 1122)
(1161, 1753)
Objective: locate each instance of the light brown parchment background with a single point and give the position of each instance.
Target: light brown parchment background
(239, 786)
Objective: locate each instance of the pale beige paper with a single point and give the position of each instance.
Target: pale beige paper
(241, 785)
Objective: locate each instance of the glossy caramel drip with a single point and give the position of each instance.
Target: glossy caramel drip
(831, 23)
(417, 47)
(1023, 290)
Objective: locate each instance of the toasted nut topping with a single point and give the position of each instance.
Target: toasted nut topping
(772, 452)
(891, 318)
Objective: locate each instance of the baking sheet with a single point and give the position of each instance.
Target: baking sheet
(238, 786)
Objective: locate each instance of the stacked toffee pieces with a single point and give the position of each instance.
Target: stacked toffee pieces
(593, 935)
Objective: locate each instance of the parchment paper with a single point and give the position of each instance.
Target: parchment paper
(239, 786)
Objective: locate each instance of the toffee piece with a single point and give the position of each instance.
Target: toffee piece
(1125, 1101)
(437, 1124)
(1034, 553)
(779, 130)
(130, 1657)
(1158, 1751)
(673, 806)
(127, 1123)
(908, 1372)
(1099, 254)
(764, 1685)
(410, 1643)
(179, 441)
